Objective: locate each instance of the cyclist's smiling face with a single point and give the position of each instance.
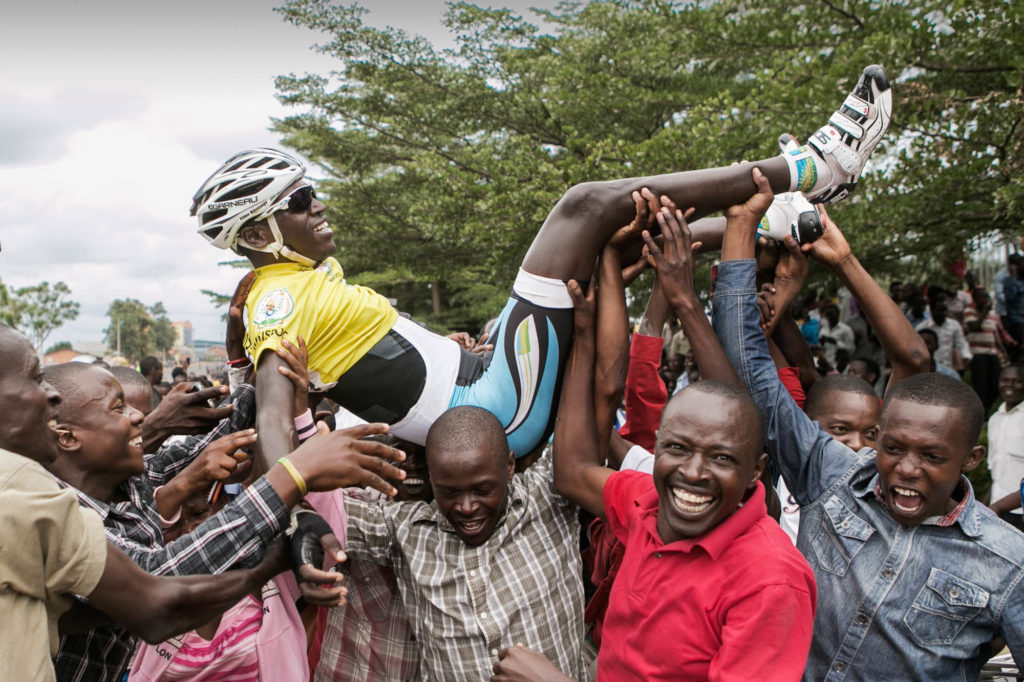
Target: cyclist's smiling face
(304, 229)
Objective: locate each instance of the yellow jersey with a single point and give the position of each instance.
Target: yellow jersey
(339, 322)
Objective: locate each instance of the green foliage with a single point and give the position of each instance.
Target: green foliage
(138, 330)
(60, 345)
(442, 164)
(37, 310)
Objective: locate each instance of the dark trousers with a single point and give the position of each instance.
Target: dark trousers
(985, 370)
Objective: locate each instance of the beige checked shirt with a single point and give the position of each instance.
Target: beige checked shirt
(466, 603)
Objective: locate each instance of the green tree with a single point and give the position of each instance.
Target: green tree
(8, 311)
(442, 164)
(137, 330)
(163, 330)
(38, 310)
(60, 345)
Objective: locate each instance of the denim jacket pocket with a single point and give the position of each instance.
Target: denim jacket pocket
(943, 607)
(840, 536)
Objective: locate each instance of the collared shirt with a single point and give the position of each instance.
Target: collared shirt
(1006, 450)
(369, 638)
(466, 603)
(734, 603)
(236, 536)
(951, 338)
(49, 547)
(895, 602)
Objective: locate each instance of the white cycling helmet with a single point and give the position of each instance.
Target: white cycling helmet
(246, 189)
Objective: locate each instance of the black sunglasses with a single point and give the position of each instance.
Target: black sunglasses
(301, 199)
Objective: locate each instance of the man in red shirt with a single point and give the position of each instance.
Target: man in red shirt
(710, 587)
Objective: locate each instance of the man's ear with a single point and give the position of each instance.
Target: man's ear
(67, 438)
(973, 459)
(511, 463)
(255, 236)
(759, 465)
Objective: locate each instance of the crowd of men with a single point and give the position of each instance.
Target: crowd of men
(774, 492)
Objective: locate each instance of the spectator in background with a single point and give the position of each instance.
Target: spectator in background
(834, 335)
(151, 368)
(1013, 299)
(917, 313)
(1006, 441)
(178, 375)
(866, 369)
(931, 340)
(982, 326)
(952, 350)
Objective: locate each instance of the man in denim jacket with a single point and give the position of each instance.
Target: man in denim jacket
(915, 577)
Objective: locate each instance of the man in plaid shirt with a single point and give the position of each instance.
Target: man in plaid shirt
(493, 561)
(236, 536)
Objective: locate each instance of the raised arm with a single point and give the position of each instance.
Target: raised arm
(808, 458)
(612, 346)
(580, 474)
(674, 264)
(645, 391)
(902, 345)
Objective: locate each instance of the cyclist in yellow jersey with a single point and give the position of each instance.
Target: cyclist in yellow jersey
(386, 368)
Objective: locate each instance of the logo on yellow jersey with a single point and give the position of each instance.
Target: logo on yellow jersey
(274, 307)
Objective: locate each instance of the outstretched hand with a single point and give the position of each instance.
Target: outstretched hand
(343, 458)
(674, 260)
(184, 413)
(831, 248)
(627, 241)
(584, 307)
(754, 208)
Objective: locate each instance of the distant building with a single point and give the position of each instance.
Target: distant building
(182, 334)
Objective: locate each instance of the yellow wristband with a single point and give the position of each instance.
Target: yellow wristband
(300, 482)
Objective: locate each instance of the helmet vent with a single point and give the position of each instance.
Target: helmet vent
(246, 190)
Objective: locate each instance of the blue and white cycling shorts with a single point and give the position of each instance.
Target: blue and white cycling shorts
(413, 375)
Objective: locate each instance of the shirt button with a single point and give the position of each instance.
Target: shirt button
(657, 555)
(472, 572)
(954, 593)
(840, 666)
(887, 573)
(844, 525)
(861, 618)
(484, 615)
(494, 652)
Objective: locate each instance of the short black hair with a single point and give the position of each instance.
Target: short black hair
(922, 332)
(148, 364)
(465, 427)
(834, 383)
(1019, 366)
(66, 378)
(730, 392)
(944, 391)
(126, 376)
(179, 372)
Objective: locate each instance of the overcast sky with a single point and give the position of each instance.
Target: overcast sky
(111, 114)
